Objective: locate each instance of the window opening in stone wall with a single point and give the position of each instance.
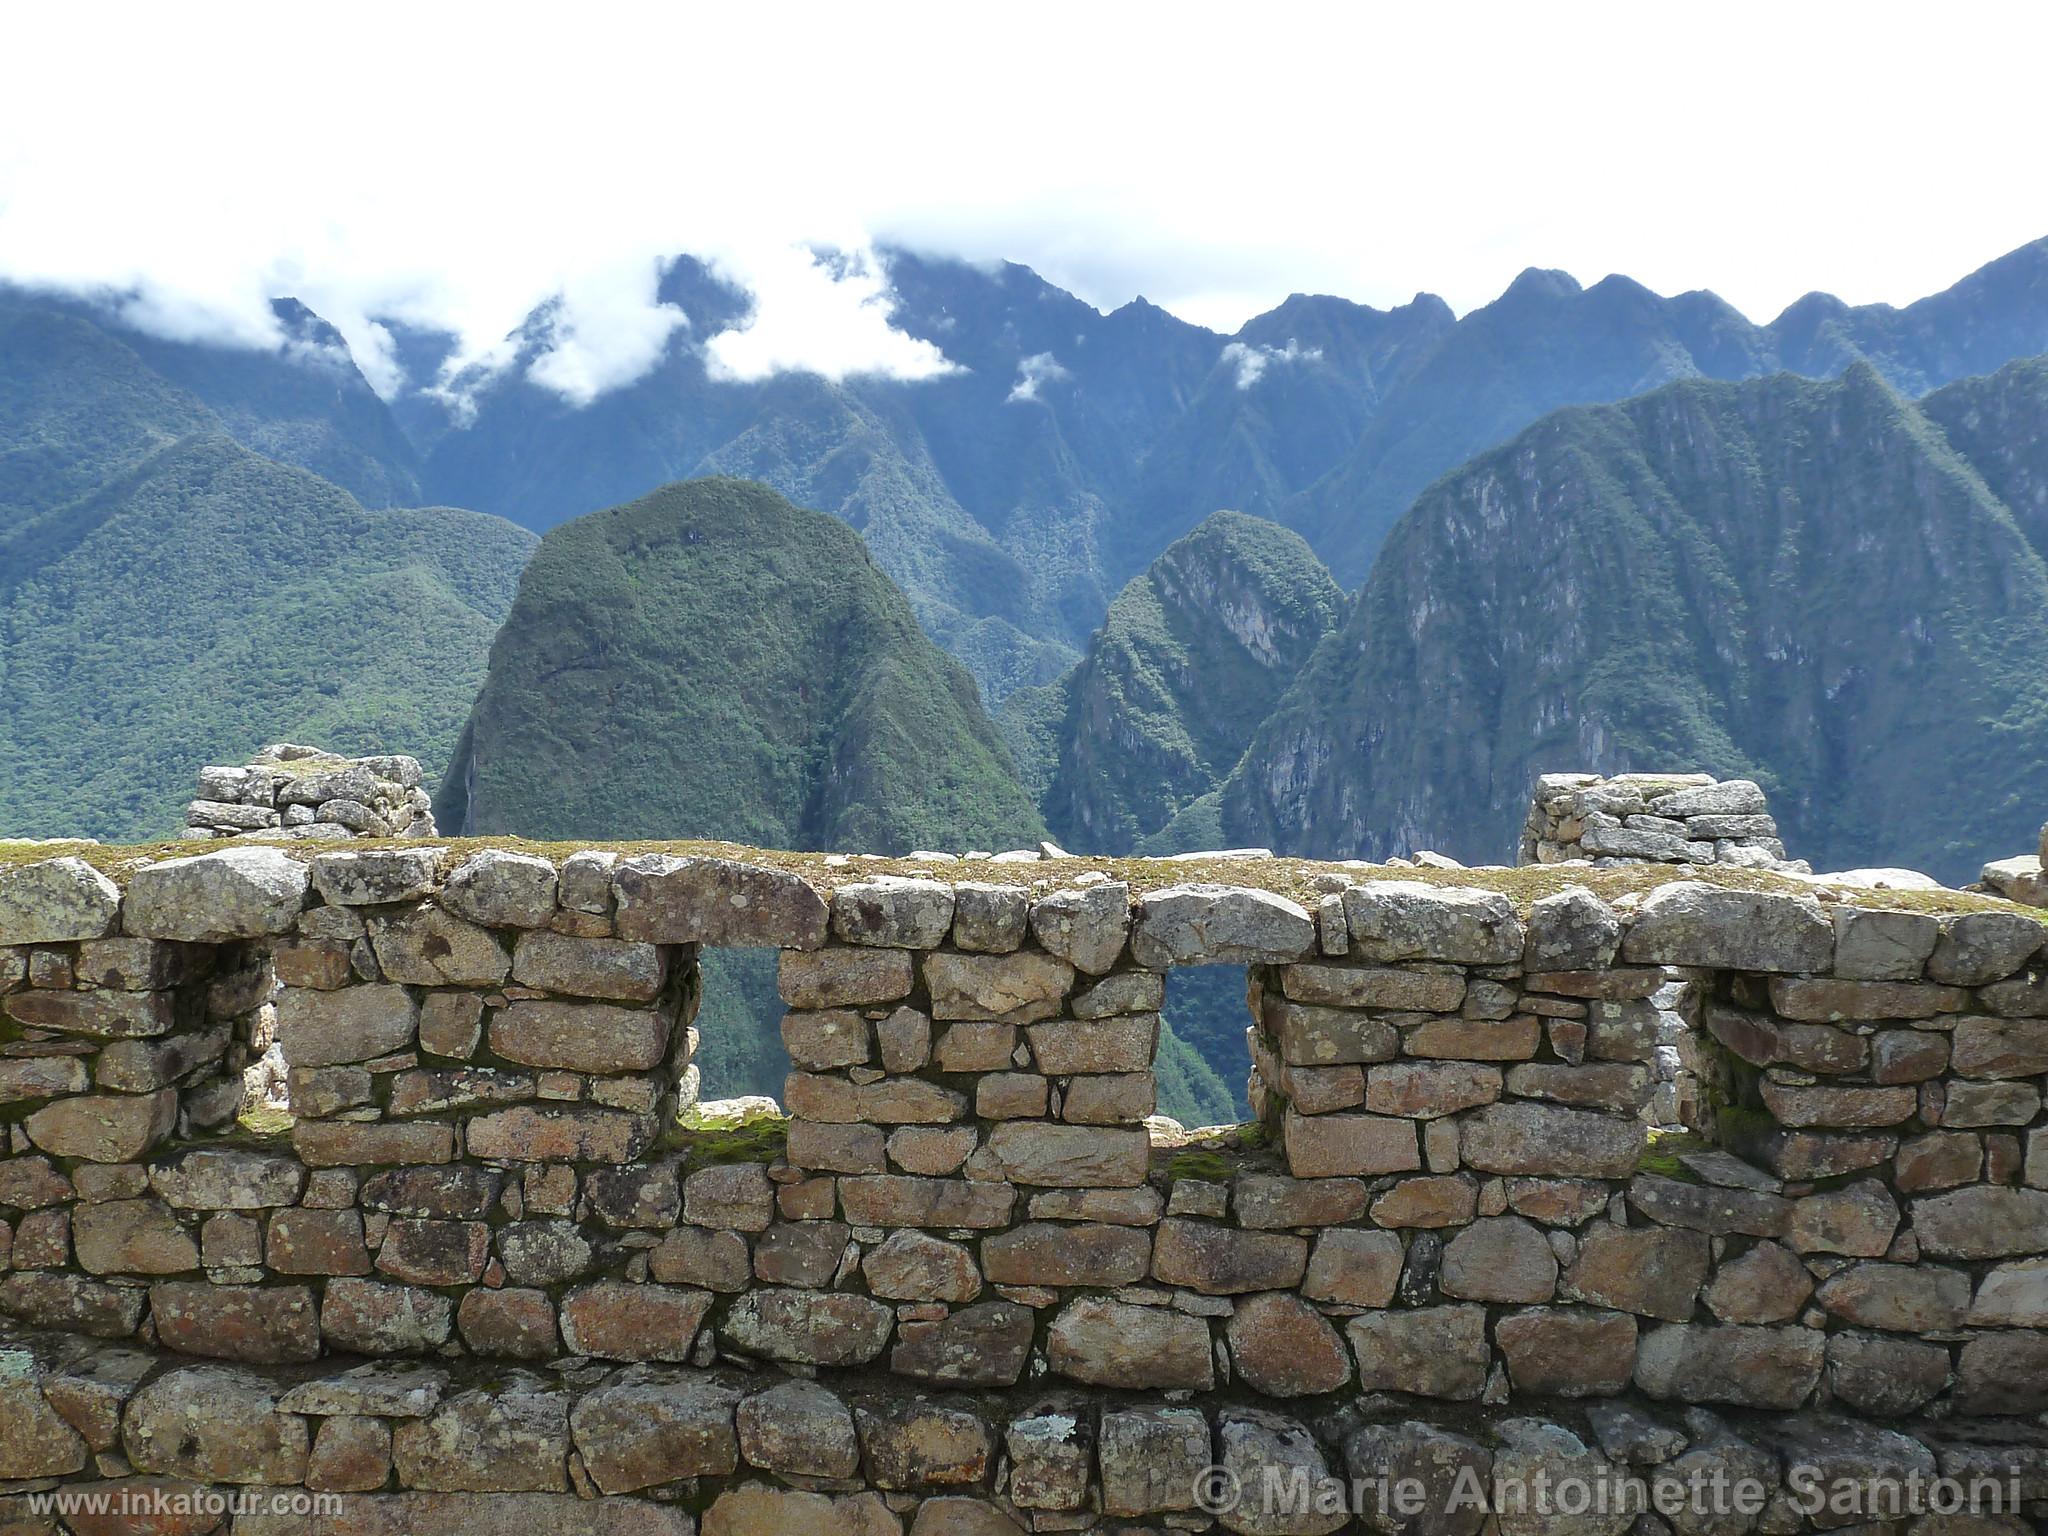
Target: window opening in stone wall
(1204, 1059)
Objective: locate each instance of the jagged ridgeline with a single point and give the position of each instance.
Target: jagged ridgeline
(1194, 654)
(169, 597)
(712, 661)
(1814, 585)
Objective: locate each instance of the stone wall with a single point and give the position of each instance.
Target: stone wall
(294, 792)
(1656, 818)
(1452, 1214)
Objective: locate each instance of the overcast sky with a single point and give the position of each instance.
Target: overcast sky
(456, 167)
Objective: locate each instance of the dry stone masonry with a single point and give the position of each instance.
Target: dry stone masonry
(1657, 818)
(294, 792)
(968, 1285)
(2020, 879)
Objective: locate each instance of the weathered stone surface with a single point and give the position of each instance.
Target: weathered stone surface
(799, 1429)
(214, 1425)
(1067, 1156)
(1059, 1253)
(1568, 1351)
(1354, 986)
(2000, 1048)
(384, 1390)
(899, 1200)
(990, 919)
(367, 878)
(1858, 1220)
(104, 1128)
(1354, 1267)
(257, 1324)
(131, 1237)
(731, 1195)
(236, 893)
(1982, 1222)
(56, 901)
(1499, 1258)
(985, 1345)
(1424, 1090)
(894, 912)
(1406, 920)
(810, 1327)
(1064, 1047)
(1115, 1344)
(1745, 1367)
(1308, 1035)
(73, 1303)
(350, 1455)
(633, 1322)
(1710, 1208)
(43, 1077)
(646, 1426)
(1544, 1139)
(923, 1443)
(892, 1101)
(1886, 1377)
(1219, 925)
(461, 1514)
(1052, 1454)
(1256, 1450)
(618, 969)
(1018, 988)
(1572, 930)
(34, 1440)
(1224, 1261)
(844, 977)
(1798, 1106)
(1269, 1200)
(1690, 923)
(106, 1015)
(428, 947)
(1150, 1458)
(513, 1324)
(755, 1510)
(1883, 946)
(1441, 1468)
(827, 1038)
(372, 1318)
(432, 1252)
(1767, 1284)
(2003, 1373)
(1124, 992)
(497, 888)
(514, 1439)
(666, 900)
(324, 1029)
(915, 1266)
(1980, 947)
(1084, 927)
(1329, 1146)
(574, 1134)
(452, 1193)
(2012, 1295)
(1429, 1351)
(1282, 1347)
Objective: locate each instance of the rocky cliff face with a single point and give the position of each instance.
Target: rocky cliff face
(1801, 583)
(1193, 656)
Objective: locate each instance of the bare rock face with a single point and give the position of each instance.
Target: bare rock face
(1692, 923)
(1219, 925)
(799, 1429)
(1115, 1344)
(514, 1439)
(667, 900)
(1744, 1367)
(214, 1425)
(1283, 1347)
(244, 892)
(646, 1426)
(57, 901)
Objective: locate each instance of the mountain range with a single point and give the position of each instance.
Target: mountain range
(1586, 528)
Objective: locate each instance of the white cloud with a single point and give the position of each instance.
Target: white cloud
(204, 160)
(1037, 369)
(817, 315)
(1252, 359)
